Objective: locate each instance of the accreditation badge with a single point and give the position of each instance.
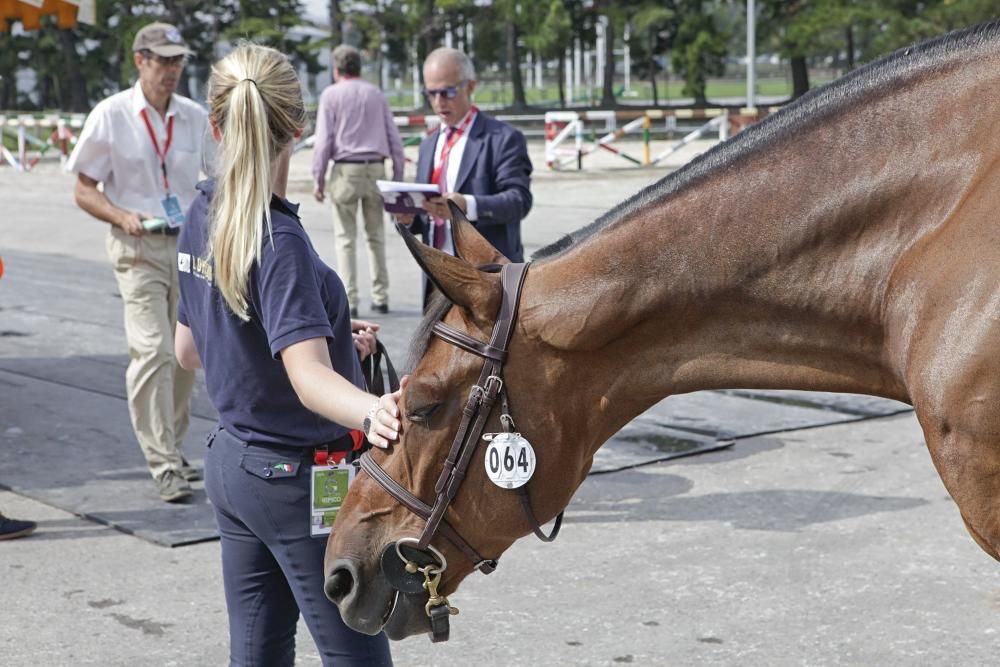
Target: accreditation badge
(328, 488)
(172, 210)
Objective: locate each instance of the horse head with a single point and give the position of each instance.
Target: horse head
(376, 532)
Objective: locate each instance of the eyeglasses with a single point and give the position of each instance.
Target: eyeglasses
(451, 92)
(164, 61)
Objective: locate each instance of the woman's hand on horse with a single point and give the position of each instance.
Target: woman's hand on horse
(386, 425)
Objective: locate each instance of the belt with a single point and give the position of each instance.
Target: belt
(377, 160)
(344, 443)
(165, 230)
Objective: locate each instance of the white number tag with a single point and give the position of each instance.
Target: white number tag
(510, 460)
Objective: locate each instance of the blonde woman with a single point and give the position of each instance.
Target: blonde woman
(270, 323)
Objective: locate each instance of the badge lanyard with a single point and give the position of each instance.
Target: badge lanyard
(456, 134)
(171, 204)
(156, 146)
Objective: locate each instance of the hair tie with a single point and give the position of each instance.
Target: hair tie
(250, 80)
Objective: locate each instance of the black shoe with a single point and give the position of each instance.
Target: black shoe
(13, 528)
(381, 308)
(354, 311)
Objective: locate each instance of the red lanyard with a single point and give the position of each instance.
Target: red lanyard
(156, 145)
(456, 133)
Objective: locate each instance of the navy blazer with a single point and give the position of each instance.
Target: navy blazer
(496, 170)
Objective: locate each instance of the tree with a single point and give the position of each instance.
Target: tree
(333, 7)
(75, 88)
(608, 89)
(551, 40)
(269, 23)
(510, 13)
(10, 50)
(651, 24)
(903, 22)
(199, 22)
(698, 48)
(804, 29)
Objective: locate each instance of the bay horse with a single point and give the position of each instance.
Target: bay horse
(848, 243)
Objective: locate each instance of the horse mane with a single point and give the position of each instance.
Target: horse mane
(856, 87)
(435, 312)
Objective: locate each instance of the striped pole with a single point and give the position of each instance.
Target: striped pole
(553, 119)
(579, 145)
(612, 149)
(645, 140)
(616, 134)
(22, 148)
(689, 138)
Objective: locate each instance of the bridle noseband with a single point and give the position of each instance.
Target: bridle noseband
(478, 408)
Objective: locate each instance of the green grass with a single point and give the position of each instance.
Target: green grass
(498, 93)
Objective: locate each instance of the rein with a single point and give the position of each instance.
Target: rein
(478, 407)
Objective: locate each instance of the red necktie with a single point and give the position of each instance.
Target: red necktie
(439, 227)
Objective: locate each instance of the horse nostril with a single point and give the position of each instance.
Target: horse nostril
(338, 585)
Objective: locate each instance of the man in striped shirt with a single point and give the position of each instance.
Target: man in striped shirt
(354, 128)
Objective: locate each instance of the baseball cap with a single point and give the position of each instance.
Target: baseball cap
(162, 39)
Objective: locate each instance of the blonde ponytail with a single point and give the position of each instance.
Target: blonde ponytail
(256, 100)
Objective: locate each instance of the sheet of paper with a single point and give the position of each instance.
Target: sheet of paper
(402, 197)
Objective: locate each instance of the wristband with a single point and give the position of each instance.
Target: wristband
(369, 420)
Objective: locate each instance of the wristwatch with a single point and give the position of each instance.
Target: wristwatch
(366, 425)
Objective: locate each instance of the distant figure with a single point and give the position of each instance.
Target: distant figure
(354, 128)
(147, 145)
(481, 164)
(11, 529)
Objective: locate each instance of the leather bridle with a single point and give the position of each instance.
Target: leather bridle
(478, 408)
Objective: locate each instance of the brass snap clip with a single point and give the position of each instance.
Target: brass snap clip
(432, 577)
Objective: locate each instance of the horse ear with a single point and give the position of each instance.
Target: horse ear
(460, 282)
(469, 243)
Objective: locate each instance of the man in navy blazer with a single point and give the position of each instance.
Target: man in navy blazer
(481, 163)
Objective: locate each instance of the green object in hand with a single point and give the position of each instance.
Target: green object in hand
(153, 224)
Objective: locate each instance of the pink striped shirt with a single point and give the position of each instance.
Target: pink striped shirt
(354, 122)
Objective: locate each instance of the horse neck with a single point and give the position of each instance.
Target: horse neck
(723, 303)
(769, 271)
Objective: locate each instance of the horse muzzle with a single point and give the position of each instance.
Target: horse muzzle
(371, 605)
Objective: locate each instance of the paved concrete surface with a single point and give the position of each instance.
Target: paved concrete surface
(835, 545)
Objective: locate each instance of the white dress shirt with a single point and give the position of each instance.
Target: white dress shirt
(454, 163)
(115, 149)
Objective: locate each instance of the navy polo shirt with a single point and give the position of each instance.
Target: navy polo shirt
(293, 296)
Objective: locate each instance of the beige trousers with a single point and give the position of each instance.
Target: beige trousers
(159, 391)
(350, 185)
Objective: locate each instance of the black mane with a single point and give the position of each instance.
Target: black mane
(853, 88)
(435, 312)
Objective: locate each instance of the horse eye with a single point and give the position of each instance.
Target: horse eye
(422, 414)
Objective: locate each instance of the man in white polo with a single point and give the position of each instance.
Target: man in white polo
(147, 145)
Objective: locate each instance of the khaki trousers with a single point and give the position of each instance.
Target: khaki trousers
(159, 391)
(350, 185)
